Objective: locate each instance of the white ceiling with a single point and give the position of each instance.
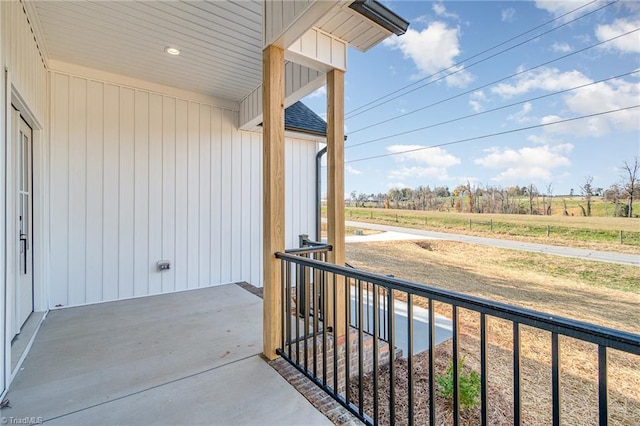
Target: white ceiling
(220, 42)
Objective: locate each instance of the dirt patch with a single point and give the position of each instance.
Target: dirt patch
(501, 409)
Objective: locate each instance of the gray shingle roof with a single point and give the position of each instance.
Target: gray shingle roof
(300, 118)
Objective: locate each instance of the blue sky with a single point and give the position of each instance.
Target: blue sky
(444, 35)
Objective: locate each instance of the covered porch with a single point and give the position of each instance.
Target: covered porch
(188, 357)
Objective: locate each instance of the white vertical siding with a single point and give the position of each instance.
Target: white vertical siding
(299, 81)
(300, 160)
(23, 59)
(139, 176)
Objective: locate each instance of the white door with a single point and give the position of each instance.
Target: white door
(24, 281)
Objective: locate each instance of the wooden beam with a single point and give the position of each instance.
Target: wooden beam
(335, 189)
(272, 195)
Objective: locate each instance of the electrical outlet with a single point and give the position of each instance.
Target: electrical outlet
(163, 265)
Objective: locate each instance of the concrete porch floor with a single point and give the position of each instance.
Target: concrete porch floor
(184, 358)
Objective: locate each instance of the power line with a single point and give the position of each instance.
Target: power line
(493, 82)
(453, 120)
(506, 132)
(354, 113)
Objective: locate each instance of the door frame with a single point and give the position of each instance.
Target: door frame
(19, 161)
(12, 99)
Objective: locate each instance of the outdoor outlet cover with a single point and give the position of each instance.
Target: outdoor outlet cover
(164, 265)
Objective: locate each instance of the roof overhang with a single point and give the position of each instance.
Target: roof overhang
(378, 13)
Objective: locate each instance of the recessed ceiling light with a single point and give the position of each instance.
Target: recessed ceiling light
(172, 50)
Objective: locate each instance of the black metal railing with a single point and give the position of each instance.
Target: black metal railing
(318, 250)
(359, 370)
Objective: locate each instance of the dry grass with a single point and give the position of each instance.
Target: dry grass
(608, 295)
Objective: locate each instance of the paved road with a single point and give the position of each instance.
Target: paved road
(602, 256)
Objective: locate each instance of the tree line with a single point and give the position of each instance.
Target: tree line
(475, 198)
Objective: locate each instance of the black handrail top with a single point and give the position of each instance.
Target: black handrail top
(309, 250)
(616, 339)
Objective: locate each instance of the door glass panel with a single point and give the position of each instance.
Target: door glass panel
(25, 163)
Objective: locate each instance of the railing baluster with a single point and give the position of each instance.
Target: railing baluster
(376, 314)
(432, 365)
(336, 332)
(283, 289)
(603, 406)
(360, 349)
(484, 419)
(516, 374)
(392, 357)
(555, 377)
(288, 305)
(410, 357)
(307, 306)
(297, 316)
(347, 336)
(456, 372)
(324, 326)
(316, 316)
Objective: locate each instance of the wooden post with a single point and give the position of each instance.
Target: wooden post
(335, 191)
(272, 195)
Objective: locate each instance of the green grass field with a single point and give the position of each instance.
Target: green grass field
(552, 229)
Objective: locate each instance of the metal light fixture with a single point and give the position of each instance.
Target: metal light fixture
(172, 50)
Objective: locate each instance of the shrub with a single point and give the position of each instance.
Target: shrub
(469, 394)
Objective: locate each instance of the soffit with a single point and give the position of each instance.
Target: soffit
(348, 25)
(220, 42)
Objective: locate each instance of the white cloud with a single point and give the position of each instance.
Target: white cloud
(432, 50)
(558, 8)
(437, 157)
(627, 44)
(418, 172)
(440, 10)
(508, 14)
(432, 162)
(319, 92)
(528, 163)
(522, 116)
(475, 105)
(583, 38)
(476, 99)
(561, 47)
(550, 79)
(592, 99)
(606, 96)
(351, 170)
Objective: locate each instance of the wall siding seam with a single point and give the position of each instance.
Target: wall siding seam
(70, 103)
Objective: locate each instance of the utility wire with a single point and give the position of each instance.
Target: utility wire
(493, 82)
(354, 113)
(453, 120)
(506, 132)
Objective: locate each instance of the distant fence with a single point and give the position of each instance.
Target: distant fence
(500, 227)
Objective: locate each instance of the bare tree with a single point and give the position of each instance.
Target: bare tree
(587, 192)
(612, 194)
(631, 182)
(549, 198)
(532, 192)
